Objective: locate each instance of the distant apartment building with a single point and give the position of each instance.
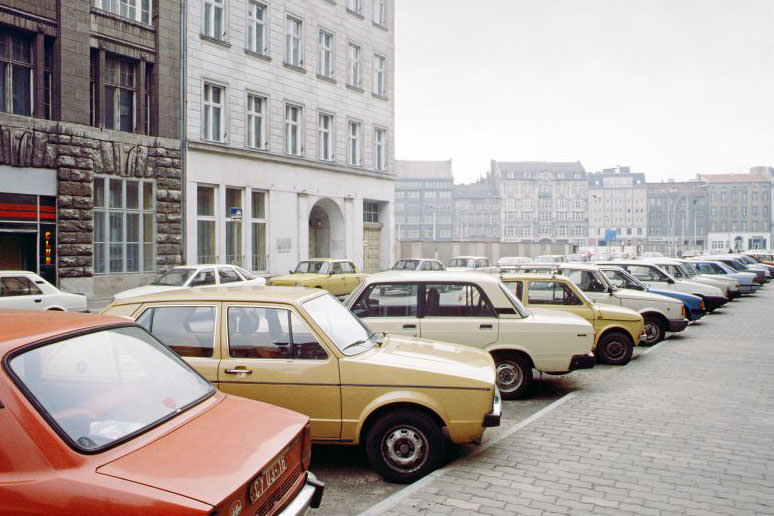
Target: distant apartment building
(542, 201)
(739, 210)
(477, 208)
(678, 216)
(618, 202)
(424, 206)
(290, 131)
(90, 159)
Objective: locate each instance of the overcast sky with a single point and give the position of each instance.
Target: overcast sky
(671, 88)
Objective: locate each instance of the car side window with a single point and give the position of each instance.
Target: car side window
(244, 274)
(426, 266)
(335, 268)
(388, 300)
(517, 287)
(456, 300)
(586, 281)
(203, 278)
(268, 333)
(11, 286)
(347, 268)
(227, 275)
(189, 331)
(644, 273)
(551, 293)
(437, 266)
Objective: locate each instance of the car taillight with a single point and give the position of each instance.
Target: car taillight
(701, 304)
(682, 311)
(306, 446)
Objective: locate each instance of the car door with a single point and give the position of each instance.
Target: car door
(19, 292)
(457, 312)
(390, 307)
(349, 274)
(336, 283)
(270, 354)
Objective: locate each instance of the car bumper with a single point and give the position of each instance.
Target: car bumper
(747, 289)
(493, 418)
(677, 325)
(586, 361)
(309, 497)
(714, 302)
(694, 314)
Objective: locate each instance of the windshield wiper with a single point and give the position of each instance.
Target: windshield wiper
(362, 341)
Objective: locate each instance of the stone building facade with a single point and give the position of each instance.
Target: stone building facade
(424, 204)
(90, 159)
(618, 202)
(477, 211)
(678, 217)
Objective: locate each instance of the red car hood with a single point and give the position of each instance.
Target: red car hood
(215, 453)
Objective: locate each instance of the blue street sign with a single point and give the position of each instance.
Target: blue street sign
(610, 235)
(235, 212)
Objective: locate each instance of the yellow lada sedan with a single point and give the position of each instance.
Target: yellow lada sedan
(339, 277)
(617, 329)
(302, 349)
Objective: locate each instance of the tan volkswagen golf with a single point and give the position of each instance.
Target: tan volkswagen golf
(302, 349)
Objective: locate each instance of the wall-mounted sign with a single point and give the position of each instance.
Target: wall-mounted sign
(235, 213)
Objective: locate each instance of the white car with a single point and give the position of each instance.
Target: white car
(677, 270)
(417, 264)
(511, 263)
(184, 276)
(470, 264)
(28, 291)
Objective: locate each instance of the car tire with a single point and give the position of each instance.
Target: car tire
(615, 348)
(654, 331)
(404, 445)
(513, 375)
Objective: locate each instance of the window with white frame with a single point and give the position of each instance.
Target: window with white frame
(213, 19)
(293, 129)
(212, 110)
(354, 143)
(233, 214)
(355, 6)
(257, 33)
(380, 75)
(325, 136)
(259, 261)
(371, 212)
(380, 12)
(293, 42)
(256, 121)
(380, 148)
(325, 57)
(354, 66)
(137, 10)
(124, 225)
(206, 242)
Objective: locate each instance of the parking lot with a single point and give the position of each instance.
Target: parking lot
(685, 428)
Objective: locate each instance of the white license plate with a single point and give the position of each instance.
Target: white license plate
(267, 477)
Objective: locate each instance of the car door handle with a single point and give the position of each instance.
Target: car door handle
(485, 327)
(239, 371)
(38, 300)
(409, 326)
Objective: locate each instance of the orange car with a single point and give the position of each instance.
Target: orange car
(98, 417)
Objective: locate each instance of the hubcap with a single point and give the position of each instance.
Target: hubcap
(651, 332)
(405, 448)
(615, 349)
(509, 377)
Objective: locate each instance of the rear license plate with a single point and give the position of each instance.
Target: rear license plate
(267, 477)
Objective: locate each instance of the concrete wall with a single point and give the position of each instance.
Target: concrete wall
(493, 250)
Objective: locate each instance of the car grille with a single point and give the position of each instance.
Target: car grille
(271, 504)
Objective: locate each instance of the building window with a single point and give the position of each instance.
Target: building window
(293, 135)
(354, 69)
(259, 231)
(380, 75)
(124, 225)
(205, 224)
(212, 124)
(213, 19)
(293, 48)
(355, 6)
(120, 94)
(380, 149)
(256, 28)
(380, 12)
(354, 144)
(325, 136)
(325, 59)
(371, 212)
(16, 71)
(256, 122)
(233, 212)
(137, 10)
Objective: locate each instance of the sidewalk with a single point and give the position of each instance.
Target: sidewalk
(687, 428)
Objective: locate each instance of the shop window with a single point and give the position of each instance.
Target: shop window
(16, 73)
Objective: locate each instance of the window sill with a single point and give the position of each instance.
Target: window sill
(294, 67)
(355, 14)
(380, 97)
(216, 41)
(255, 54)
(355, 88)
(108, 14)
(326, 78)
(380, 26)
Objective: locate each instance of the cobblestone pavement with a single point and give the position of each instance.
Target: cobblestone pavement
(687, 428)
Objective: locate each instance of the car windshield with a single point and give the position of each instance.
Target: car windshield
(347, 332)
(173, 277)
(319, 267)
(734, 265)
(690, 270)
(622, 279)
(405, 265)
(462, 262)
(103, 387)
(674, 270)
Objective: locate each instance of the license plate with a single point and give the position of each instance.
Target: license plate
(267, 477)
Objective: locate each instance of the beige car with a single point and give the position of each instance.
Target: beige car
(301, 349)
(477, 310)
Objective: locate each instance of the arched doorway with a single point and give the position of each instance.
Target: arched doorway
(326, 230)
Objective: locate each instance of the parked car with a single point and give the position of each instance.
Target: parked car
(761, 275)
(676, 269)
(303, 350)
(621, 279)
(550, 258)
(471, 263)
(185, 276)
(417, 264)
(747, 282)
(661, 314)
(755, 264)
(691, 274)
(511, 263)
(98, 417)
(339, 277)
(27, 291)
(576, 257)
(761, 256)
(616, 329)
(476, 310)
(652, 254)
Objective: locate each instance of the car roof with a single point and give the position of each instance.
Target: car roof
(21, 327)
(227, 293)
(418, 259)
(533, 276)
(563, 265)
(325, 260)
(409, 276)
(467, 256)
(18, 272)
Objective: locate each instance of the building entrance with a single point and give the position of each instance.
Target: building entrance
(28, 234)
(18, 251)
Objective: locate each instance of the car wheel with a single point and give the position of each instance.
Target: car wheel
(513, 375)
(405, 445)
(654, 331)
(615, 348)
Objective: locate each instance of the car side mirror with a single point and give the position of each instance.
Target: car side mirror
(291, 271)
(670, 281)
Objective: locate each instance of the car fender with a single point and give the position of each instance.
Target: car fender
(399, 397)
(493, 348)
